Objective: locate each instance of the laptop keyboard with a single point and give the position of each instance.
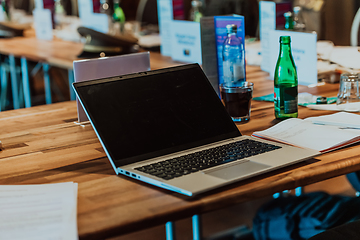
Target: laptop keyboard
(179, 166)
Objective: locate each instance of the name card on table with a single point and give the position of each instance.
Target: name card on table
(39, 4)
(85, 8)
(303, 47)
(43, 24)
(89, 19)
(271, 18)
(97, 21)
(165, 18)
(186, 43)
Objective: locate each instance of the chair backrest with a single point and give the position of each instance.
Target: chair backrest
(355, 29)
(147, 12)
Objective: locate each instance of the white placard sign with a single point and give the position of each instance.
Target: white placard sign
(97, 21)
(267, 23)
(39, 4)
(186, 41)
(165, 17)
(43, 24)
(303, 47)
(85, 8)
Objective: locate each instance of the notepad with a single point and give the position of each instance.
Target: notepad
(38, 212)
(324, 133)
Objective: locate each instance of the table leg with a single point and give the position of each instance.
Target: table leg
(26, 83)
(196, 225)
(14, 82)
(298, 191)
(71, 80)
(170, 231)
(47, 85)
(4, 87)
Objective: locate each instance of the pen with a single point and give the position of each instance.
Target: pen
(340, 125)
(358, 128)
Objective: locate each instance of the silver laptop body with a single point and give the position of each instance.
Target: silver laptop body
(157, 117)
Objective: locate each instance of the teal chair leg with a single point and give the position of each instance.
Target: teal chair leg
(26, 82)
(170, 231)
(71, 80)
(4, 87)
(47, 85)
(196, 225)
(14, 82)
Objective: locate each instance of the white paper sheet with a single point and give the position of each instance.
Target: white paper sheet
(38, 212)
(305, 134)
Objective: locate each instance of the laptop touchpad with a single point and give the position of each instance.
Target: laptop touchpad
(237, 170)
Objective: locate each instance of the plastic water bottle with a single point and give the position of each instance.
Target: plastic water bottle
(233, 58)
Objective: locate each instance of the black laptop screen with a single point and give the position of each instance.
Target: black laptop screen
(145, 115)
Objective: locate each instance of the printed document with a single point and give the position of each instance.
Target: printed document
(38, 212)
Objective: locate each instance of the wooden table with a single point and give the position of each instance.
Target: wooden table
(43, 145)
(57, 52)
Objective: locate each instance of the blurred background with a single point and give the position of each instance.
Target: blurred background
(331, 19)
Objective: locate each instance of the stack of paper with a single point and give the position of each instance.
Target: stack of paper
(324, 133)
(38, 212)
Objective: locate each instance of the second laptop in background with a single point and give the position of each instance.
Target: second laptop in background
(90, 69)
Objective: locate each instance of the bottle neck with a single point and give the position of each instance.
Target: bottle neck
(285, 49)
(231, 34)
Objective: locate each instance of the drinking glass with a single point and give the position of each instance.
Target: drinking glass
(237, 100)
(348, 98)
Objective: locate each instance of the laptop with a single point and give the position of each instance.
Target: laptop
(169, 128)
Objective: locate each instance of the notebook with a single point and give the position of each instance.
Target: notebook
(169, 128)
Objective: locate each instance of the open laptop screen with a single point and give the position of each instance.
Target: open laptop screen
(149, 114)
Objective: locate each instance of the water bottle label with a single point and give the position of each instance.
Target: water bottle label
(233, 72)
(227, 71)
(239, 73)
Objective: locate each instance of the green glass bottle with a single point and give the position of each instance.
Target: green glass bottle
(285, 82)
(119, 15)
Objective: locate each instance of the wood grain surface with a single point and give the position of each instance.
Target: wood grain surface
(42, 144)
(59, 53)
